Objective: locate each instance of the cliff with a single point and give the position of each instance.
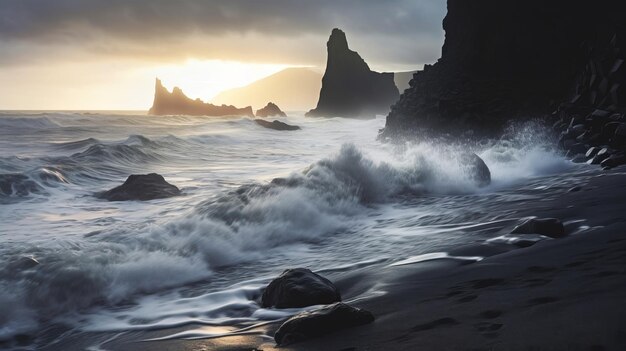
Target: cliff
(177, 103)
(505, 60)
(349, 87)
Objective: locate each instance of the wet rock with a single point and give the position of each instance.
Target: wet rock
(576, 149)
(593, 151)
(276, 125)
(579, 159)
(476, 168)
(550, 227)
(18, 185)
(299, 287)
(614, 160)
(270, 110)
(602, 155)
(316, 323)
(141, 187)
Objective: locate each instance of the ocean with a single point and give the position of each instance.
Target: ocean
(73, 264)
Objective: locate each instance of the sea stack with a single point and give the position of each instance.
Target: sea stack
(177, 103)
(349, 87)
(270, 110)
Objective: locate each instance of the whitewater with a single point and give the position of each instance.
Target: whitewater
(255, 201)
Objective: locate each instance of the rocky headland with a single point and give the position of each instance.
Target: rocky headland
(517, 60)
(177, 103)
(349, 87)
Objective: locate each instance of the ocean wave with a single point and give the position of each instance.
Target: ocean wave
(8, 123)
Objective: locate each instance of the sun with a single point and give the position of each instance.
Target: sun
(206, 78)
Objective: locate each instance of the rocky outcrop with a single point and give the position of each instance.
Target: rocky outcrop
(299, 287)
(141, 187)
(270, 110)
(550, 227)
(307, 325)
(177, 103)
(349, 87)
(276, 125)
(476, 169)
(505, 60)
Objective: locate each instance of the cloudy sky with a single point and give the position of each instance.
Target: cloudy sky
(105, 54)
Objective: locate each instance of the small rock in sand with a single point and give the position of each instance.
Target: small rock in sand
(299, 287)
(550, 227)
(307, 325)
(141, 187)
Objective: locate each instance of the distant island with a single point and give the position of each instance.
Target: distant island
(349, 87)
(177, 103)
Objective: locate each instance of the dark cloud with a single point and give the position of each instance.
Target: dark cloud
(394, 31)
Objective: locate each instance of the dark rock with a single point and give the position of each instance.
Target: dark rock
(577, 148)
(614, 160)
(316, 323)
(299, 287)
(550, 227)
(592, 152)
(270, 110)
(476, 169)
(349, 87)
(15, 184)
(276, 125)
(575, 189)
(579, 159)
(177, 103)
(514, 60)
(141, 187)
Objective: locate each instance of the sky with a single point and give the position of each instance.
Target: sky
(105, 54)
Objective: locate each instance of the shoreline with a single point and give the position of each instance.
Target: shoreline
(558, 294)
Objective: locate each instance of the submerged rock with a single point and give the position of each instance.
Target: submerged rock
(141, 187)
(16, 184)
(476, 169)
(550, 227)
(349, 87)
(316, 323)
(276, 125)
(299, 287)
(270, 110)
(177, 103)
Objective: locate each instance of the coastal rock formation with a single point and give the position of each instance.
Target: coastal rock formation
(550, 227)
(141, 187)
(509, 60)
(177, 103)
(270, 110)
(276, 125)
(307, 325)
(476, 169)
(299, 287)
(349, 87)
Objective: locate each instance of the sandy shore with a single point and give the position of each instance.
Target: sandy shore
(561, 294)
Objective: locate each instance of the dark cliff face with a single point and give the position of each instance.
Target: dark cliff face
(349, 87)
(505, 60)
(177, 103)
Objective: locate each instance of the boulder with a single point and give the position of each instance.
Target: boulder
(299, 287)
(141, 187)
(614, 160)
(316, 323)
(276, 125)
(550, 227)
(270, 110)
(476, 169)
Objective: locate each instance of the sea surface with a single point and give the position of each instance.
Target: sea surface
(71, 263)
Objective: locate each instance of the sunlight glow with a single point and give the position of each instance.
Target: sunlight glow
(205, 79)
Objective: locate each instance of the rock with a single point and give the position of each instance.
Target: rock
(614, 160)
(476, 169)
(177, 103)
(16, 184)
(576, 149)
(513, 60)
(316, 323)
(349, 87)
(550, 227)
(299, 287)
(579, 159)
(141, 187)
(276, 125)
(593, 151)
(270, 110)
(602, 155)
